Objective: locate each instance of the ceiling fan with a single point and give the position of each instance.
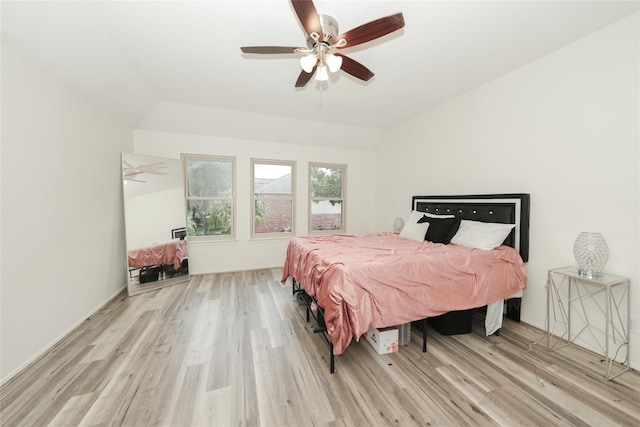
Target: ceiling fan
(131, 172)
(323, 40)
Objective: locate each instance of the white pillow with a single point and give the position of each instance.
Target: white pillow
(414, 216)
(414, 231)
(481, 235)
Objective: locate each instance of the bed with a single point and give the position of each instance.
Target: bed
(391, 278)
(170, 256)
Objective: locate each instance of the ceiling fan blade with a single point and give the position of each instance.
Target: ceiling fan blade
(356, 69)
(268, 49)
(372, 30)
(304, 77)
(308, 16)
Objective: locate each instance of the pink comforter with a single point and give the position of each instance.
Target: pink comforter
(173, 252)
(379, 279)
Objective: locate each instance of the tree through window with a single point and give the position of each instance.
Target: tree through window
(326, 194)
(210, 195)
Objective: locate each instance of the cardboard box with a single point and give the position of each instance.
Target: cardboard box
(384, 340)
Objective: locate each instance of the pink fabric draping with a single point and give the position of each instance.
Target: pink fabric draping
(379, 280)
(173, 252)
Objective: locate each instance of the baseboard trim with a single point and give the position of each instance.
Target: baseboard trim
(49, 346)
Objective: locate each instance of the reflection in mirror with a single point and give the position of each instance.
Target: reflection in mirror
(155, 223)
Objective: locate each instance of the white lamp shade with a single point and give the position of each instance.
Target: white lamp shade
(333, 62)
(321, 73)
(308, 62)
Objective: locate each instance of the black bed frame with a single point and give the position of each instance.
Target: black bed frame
(512, 208)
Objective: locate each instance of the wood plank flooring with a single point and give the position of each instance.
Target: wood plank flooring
(235, 349)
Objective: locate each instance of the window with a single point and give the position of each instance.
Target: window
(273, 197)
(210, 196)
(326, 194)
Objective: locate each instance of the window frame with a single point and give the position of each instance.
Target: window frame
(211, 158)
(279, 235)
(343, 198)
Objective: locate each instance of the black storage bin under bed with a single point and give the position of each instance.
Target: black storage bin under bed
(452, 323)
(150, 274)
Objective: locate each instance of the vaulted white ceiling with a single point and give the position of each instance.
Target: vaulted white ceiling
(136, 58)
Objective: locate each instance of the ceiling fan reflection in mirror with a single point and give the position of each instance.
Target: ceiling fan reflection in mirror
(323, 42)
(131, 172)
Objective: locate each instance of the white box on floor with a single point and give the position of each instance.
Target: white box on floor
(383, 340)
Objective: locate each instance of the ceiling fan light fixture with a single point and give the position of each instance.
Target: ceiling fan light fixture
(322, 37)
(321, 73)
(334, 62)
(308, 62)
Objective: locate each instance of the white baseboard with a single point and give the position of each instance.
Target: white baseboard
(57, 339)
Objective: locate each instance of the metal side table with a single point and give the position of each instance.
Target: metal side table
(592, 310)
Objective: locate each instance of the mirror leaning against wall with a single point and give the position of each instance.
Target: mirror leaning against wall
(155, 222)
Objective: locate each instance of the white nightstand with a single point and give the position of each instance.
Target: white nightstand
(591, 310)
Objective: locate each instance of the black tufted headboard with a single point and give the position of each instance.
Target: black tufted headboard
(501, 208)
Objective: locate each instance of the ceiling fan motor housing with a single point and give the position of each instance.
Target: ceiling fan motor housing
(329, 31)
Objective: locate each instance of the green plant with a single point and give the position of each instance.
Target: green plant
(220, 217)
(261, 213)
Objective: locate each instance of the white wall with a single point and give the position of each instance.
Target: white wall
(148, 219)
(564, 129)
(244, 253)
(63, 250)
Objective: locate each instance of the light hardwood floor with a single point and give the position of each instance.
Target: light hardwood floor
(234, 349)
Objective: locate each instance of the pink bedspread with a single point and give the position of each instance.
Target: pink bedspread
(173, 252)
(379, 279)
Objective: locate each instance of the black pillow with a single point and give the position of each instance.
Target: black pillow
(441, 230)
